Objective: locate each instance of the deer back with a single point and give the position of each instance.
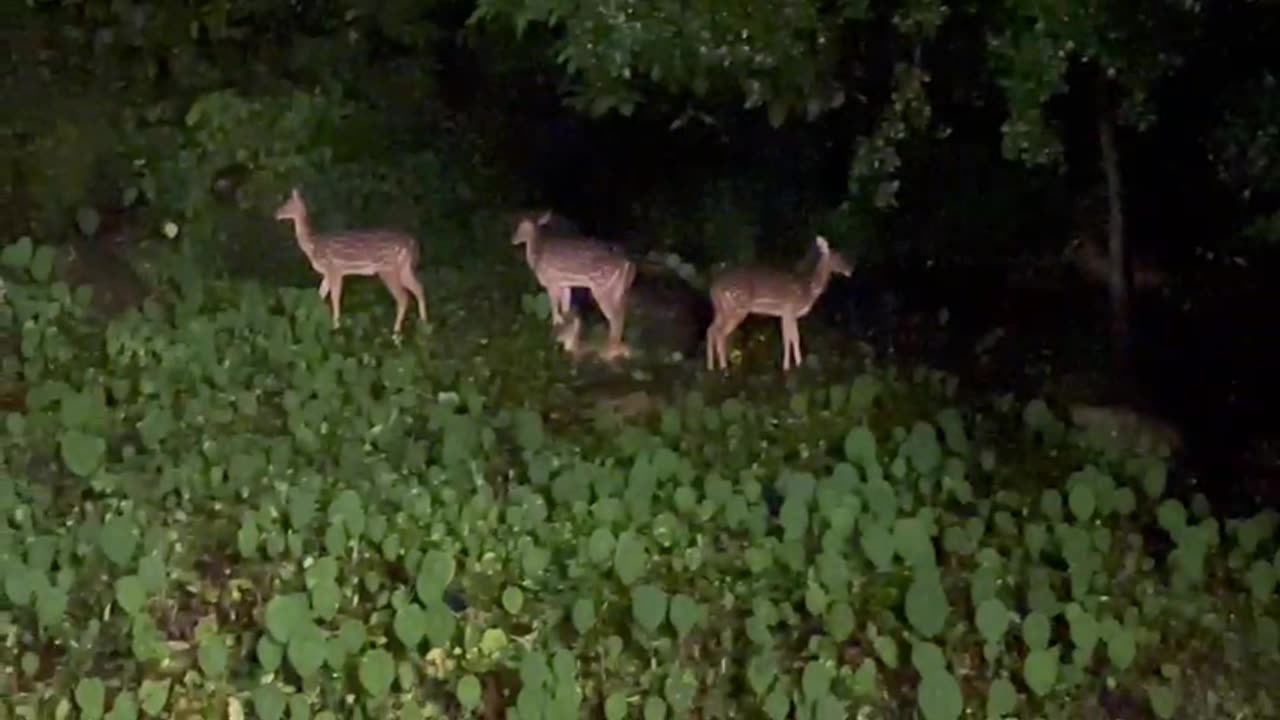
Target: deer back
(366, 252)
(579, 262)
(760, 289)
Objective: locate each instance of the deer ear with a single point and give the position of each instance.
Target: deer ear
(823, 247)
(544, 218)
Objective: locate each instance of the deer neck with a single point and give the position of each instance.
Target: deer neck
(532, 249)
(303, 234)
(817, 283)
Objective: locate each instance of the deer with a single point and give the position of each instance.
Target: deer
(568, 335)
(392, 255)
(757, 290)
(563, 263)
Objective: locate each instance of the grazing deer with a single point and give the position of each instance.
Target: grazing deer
(755, 290)
(561, 264)
(390, 254)
(1095, 266)
(568, 334)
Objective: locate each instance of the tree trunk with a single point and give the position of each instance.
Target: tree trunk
(1119, 272)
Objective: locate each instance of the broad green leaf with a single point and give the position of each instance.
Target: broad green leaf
(939, 696)
(1002, 698)
(468, 692)
(81, 452)
(1040, 671)
(269, 702)
(212, 656)
(376, 671)
(630, 558)
(410, 624)
(153, 695)
(284, 613)
(648, 606)
(91, 697)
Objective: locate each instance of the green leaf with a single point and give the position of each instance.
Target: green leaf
(441, 624)
(410, 625)
(512, 599)
(655, 708)
(299, 707)
(352, 635)
(42, 264)
(270, 653)
(648, 606)
(17, 255)
(212, 656)
(376, 671)
(82, 453)
(269, 702)
(1002, 698)
(583, 614)
(284, 613)
(118, 540)
(125, 706)
(615, 706)
(307, 648)
(630, 558)
(1082, 502)
(1164, 701)
(1035, 631)
(91, 697)
(939, 696)
(1040, 670)
(993, 620)
(434, 575)
(153, 695)
(1121, 647)
(866, 680)
(468, 692)
(685, 613)
(600, 545)
(130, 594)
(87, 220)
(926, 604)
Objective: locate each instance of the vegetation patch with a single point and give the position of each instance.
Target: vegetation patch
(216, 505)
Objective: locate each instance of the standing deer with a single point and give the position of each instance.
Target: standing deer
(561, 264)
(754, 290)
(390, 254)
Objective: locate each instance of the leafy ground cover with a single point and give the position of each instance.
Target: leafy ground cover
(215, 506)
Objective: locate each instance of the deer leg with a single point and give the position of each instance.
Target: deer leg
(553, 298)
(391, 279)
(566, 301)
(335, 297)
(615, 313)
(727, 328)
(790, 343)
(711, 345)
(324, 286)
(409, 279)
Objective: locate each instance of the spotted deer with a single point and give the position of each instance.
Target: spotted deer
(755, 290)
(561, 264)
(390, 254)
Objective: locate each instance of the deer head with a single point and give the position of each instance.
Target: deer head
(834, 260)
(527, 230)
(293, 208)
